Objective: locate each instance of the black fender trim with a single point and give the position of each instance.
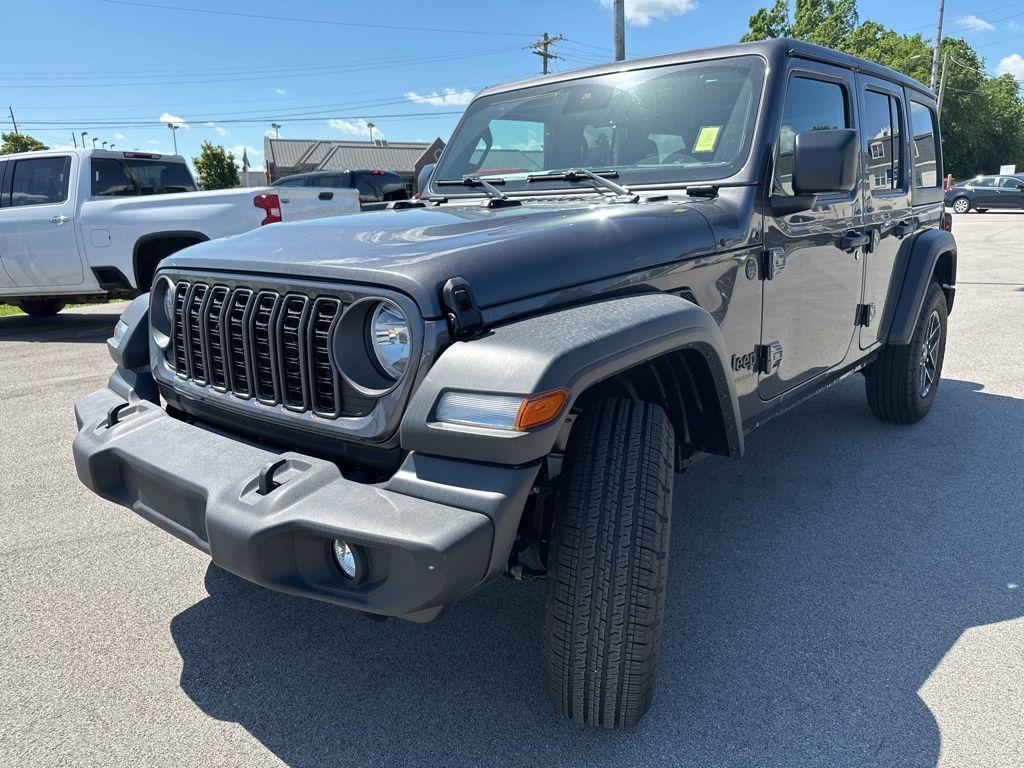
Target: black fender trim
(198, 236)
(920, 260)
(571, 349)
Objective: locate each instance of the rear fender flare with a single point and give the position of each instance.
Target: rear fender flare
(920, 259)
(572, 349)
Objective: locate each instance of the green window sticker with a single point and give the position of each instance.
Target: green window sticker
(707, 138)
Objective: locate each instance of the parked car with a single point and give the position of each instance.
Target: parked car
(85, 225)
(389, 411)
(986, 192)
(376, 188)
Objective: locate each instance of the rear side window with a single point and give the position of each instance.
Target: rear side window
(292, 182)
(109, 178)
(393, 188)
(368, 191)
(988, 181)
(40, 181)
(3, 184)
(923, 132)
(114, 177)
(881, 122)
(327, 181)
(811, 105)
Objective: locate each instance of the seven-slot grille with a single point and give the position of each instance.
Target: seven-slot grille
(263, 345)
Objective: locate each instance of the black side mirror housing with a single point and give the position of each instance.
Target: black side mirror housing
(825, 162)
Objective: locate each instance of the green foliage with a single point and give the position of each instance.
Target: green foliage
(982, 117)
(20, 142)
(216, 168)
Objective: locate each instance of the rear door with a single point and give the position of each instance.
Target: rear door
(38, 233)
(810, 304)
(888, 217)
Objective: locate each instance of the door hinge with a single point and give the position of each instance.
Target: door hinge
(865, 314)
(461, 311)
(773, 261)
(769, 357)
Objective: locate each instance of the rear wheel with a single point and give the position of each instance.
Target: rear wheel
(961, 205)
(41, 307)
(608, 565)
(902, 382)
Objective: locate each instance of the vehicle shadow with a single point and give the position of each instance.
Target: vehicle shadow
(814, 587)
(69, 326)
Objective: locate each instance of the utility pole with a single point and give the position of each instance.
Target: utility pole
(620, 30)
(541, 49)
(942, 83)
(937, 48)
(277, 130)
(13, 121)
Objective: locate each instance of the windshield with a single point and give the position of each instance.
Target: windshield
(680, 123)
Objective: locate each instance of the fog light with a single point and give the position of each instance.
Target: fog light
(348, 560)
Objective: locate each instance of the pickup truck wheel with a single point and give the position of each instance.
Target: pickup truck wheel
(902, 382)
(42, 307)
(607, 568)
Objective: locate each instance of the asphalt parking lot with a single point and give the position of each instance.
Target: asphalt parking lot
(851, 593)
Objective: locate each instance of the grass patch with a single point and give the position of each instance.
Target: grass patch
(6, 310)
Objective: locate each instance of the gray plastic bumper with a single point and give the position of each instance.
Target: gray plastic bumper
(438, 529)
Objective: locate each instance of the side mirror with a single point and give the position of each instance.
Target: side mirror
(424, 177)
(825, 161)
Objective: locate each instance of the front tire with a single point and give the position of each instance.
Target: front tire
(42, 307)
(961, 205)
(901, 384)
(608, 565)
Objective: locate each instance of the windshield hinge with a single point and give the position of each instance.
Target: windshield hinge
(773, 261)
(461, 310)
(769, 357)
(702, 190)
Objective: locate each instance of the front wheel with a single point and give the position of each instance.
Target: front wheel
(42, 307)
(961, 205)
(902, 382)
(608, 565)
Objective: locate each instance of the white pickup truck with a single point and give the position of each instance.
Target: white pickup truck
(88, 224)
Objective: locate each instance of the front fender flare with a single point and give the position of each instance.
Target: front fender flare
(571, 349)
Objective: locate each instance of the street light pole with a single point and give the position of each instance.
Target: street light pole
(94, 140)
(84, 134)
(174, 135)
(937, 48)
(371, 126)
(277, 130)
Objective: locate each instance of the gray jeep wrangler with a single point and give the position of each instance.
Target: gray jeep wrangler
(612, 273)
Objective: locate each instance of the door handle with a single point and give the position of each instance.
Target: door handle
(851, 241)
(326, 195)
(904, 228)
(59, 219)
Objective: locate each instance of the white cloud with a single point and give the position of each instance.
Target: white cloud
(154, 142)
(642, 12)
(449, 98)
(280, 91)
(269, 133)
(238, 149)
(220, 131)
(972, 23)
(120, 136)
(167, 117)
(357, 127)
(1012, 65)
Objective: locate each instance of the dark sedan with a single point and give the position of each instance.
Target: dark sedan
(986, 192)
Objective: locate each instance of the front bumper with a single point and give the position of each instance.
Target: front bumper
(436, 530)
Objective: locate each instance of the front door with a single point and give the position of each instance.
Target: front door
(1011, 192)
(38, 239)
(810, 303)
(888, 217)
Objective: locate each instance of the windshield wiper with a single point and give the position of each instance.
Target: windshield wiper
(498, 198)
(600, 178)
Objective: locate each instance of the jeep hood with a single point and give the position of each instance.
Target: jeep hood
(504, 253)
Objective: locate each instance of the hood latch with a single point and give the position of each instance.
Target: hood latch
(461, 310)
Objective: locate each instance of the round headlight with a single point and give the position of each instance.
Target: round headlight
(169, 291)
(161, 319)
(390, 338)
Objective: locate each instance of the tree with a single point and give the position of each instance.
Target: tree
(20, 142)
(216, 167)
(982, 117)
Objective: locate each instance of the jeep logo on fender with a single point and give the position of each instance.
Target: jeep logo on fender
(745, 362)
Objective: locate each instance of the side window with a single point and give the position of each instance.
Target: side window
(985, 182)
(291, 182)
(368, 192)
(3, 184)
(394, 190)
(326, 181)
(811, 105)
(923, 132)
(109, 178)
(40, 180)
(1008, 182)
(881, 125)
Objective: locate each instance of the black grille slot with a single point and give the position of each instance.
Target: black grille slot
(291, 346)
(262, 345)
(324, 387)
(194, 333)
(178, 329)
(213, 317)
(234, 342)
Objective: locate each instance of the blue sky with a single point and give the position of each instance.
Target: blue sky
(111, 66)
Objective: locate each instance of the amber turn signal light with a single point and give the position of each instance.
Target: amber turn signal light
(540, 409)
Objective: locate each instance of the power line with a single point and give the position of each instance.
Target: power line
(541, 49)
(966, 16)
(391, 27)
(323, 118)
